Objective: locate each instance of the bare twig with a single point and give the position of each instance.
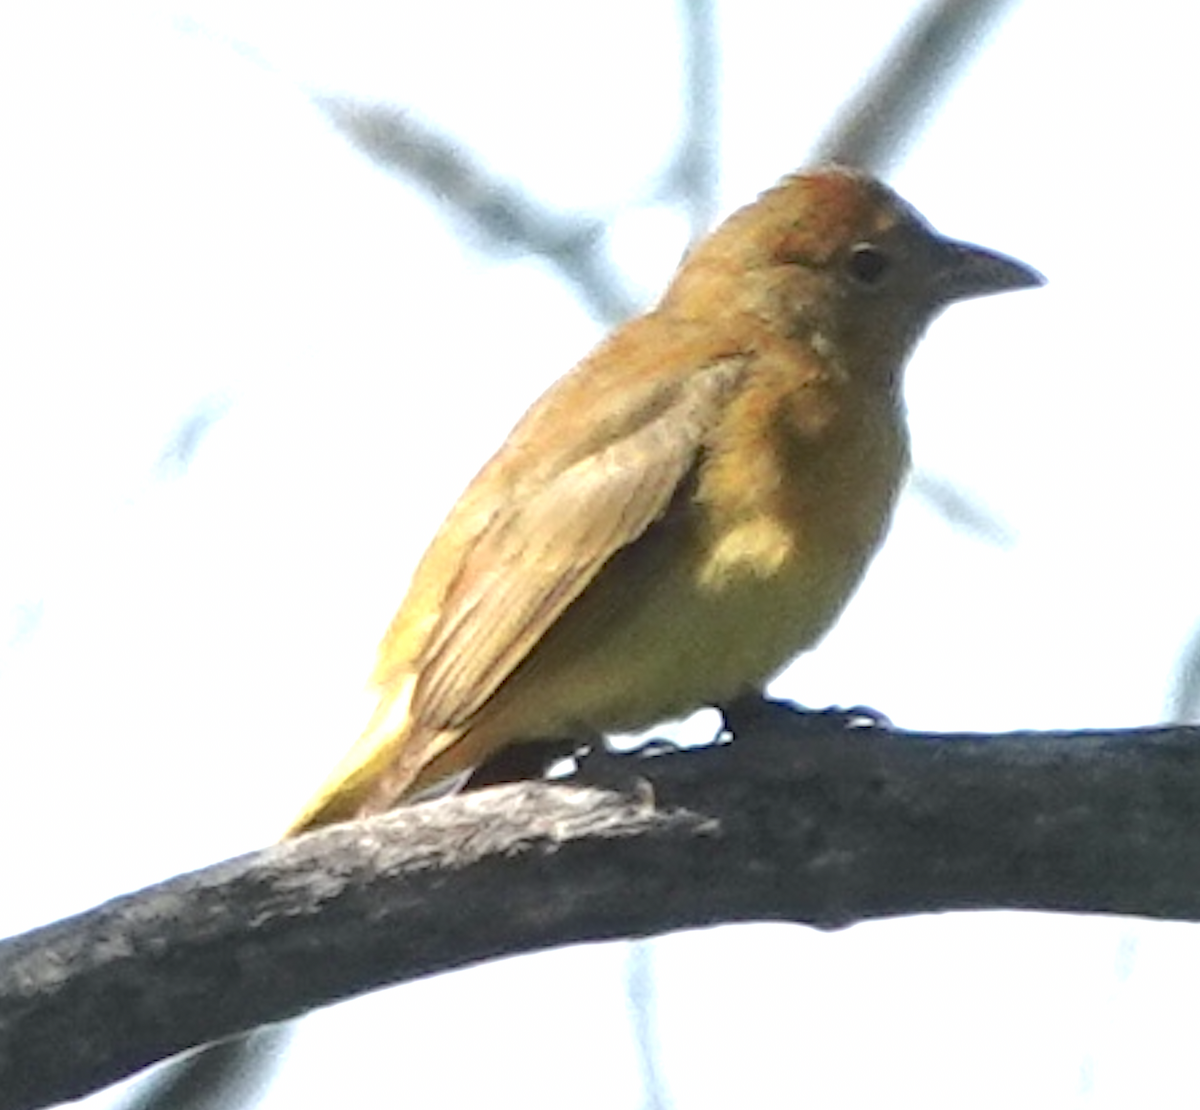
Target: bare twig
(960, 510)
(873, 130)
(503, 213)
(892, 106)
(641, 993)
(1183, 703)
(794, 821)
(693, 180)
(225, 1076)
(188, 436)
(694, 174)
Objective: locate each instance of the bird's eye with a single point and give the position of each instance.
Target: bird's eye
(867, 264)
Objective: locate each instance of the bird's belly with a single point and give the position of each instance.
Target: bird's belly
(705, 640)
(677, 629)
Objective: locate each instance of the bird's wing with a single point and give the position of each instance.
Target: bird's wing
(585, 472)
(551, 536)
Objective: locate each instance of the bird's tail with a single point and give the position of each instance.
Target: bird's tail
(356, 780)
(237, 1071)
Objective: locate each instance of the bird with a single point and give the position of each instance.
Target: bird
(670, 523)
(685, 511)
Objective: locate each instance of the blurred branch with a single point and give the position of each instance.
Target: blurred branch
(509, 218)
(875, 127)
(187, 437)
(1183, 704)
(641, 995)
(960, 510)
(694, 174)
(693, 181)
(892, 106)
(502, 213)
(800, 819)
(225, 1076)
(23, 620)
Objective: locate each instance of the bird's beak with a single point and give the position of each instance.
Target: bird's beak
(967, 271)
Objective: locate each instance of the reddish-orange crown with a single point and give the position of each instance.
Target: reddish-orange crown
(808, 217)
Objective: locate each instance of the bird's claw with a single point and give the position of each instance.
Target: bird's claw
(744, 712)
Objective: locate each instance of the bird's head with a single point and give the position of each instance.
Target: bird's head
(836, 258)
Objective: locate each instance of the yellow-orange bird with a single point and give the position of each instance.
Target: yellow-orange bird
(686, 510)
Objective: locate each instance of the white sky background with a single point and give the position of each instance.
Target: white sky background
(180, 660)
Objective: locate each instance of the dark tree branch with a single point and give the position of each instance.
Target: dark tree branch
(875, 127)
(828, 827)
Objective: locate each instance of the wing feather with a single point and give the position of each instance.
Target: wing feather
(540, 549)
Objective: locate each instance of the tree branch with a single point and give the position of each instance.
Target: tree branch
(693, 177)
(502, 212)
(874, 127)
(801, 819)
(1183, 704)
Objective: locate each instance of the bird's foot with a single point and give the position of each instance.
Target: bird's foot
(530, 759)
(747, 711)
(617, 769)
